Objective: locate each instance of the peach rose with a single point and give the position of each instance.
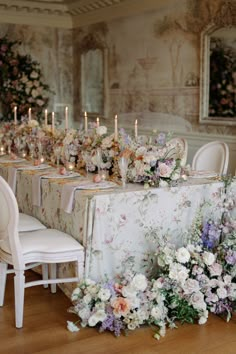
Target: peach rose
(62, 171)
(96, 178)
(121, 306)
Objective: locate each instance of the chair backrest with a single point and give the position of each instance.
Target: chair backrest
(181, 146)
(9, 220)
(213, 156)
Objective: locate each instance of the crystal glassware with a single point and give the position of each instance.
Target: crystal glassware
(123, 167)
(99, 159)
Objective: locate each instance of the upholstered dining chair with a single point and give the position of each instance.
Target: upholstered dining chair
(213, 156)
(181, 145)
(25, 250)
(29, 223)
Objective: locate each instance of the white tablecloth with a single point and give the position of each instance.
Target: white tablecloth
(119, 228)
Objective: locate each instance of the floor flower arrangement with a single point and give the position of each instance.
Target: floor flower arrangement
(191, 281)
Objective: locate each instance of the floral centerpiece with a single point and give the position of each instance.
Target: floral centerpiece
(21, 80)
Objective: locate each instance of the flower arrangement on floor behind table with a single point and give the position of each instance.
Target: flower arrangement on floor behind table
(190, 282)
(21, 81)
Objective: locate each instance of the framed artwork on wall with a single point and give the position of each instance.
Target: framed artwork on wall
(218, 72)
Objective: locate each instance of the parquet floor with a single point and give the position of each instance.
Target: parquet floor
(45, 332)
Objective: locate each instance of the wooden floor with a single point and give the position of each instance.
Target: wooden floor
(45, 332)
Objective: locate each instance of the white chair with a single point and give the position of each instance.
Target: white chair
(24, 251)
(181, 146)
(213, 156)
(29, 223)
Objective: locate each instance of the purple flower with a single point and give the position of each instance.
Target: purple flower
(231, 257)
(210, 235)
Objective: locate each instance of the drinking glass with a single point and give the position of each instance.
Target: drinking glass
(123, 166)
(57, 153)
(86, 157)
(99, 159)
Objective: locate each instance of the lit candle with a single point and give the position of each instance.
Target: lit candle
(53, 122)
(29, 114)
(136, 129)
(70, 165)
(1, 150)
(98, 123)
(15, 115)
(116, 129)
(46, 117)
(42, 159)
(85, 122)
(66, 118)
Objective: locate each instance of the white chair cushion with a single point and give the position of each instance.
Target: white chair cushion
(46, 241)
(29, 223)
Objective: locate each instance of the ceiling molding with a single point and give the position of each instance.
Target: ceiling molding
(72, 13)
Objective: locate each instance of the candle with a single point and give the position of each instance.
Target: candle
(42, 159)
(53, 122)
(66, 118)
(85, 122)
(1, 150)
(29, 114)
(15, 115)
(70, 165)
(136, 129)
(98, 122)
(116, 129)
(46, 117)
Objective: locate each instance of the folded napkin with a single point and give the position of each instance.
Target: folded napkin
(36, 189)
(68, 190)
(11, 178)
(67, 196)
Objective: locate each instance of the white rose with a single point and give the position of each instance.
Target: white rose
(182, 255)
(215, 269)
(222, 293)
(72, 327)
(178, 272)
(92, 321)
(104, 294)
(101, 130)
(139, 282)
(33, 123)
(129, 291)
(34, 75)
(75, 294)
(202, 320)
(191, 286)
(197, 301)
(163, 184)
(87, 299)
(84, 313)
(208, 258)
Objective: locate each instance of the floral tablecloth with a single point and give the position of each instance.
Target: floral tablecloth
(119, 228)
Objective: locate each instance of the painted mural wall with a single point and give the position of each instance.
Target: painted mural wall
(154, 65)
(52, 48)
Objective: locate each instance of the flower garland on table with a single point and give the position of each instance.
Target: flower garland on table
(154, 164)
(191, 282)
(21, 80)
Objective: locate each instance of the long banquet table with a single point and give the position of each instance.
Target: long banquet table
(119, 227)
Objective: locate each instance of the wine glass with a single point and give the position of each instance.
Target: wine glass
(99, 159)
(86, 158)
(123, 166)
(57, 153)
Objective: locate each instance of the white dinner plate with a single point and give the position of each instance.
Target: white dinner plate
(203, 174)
(4, 160)
(58, 175)
(100, 185)
(31, 167)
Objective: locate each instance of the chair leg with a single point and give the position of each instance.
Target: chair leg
(19, 286)
(53, 275)
(45, 273)
(3, 277)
